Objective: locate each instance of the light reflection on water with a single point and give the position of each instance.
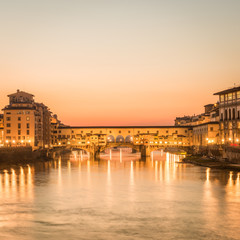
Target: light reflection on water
(119, 197)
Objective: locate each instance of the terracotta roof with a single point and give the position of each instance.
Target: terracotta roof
(20, 92)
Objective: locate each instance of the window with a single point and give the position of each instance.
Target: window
(221, 117)
(166, 131)
(19, 132)
(119, 131)
(129, 131)
(100, 131)
(221, 98)
(238, 94)
(8, 131)
(28, 132)
(230, 114)
(27, 118)
(8, 124)
(138, 131)
(147, 131)
(211, 129)
(229, 96)
(234, 96)
(185, 131)
(81, 131)
(8, 113)
(59, 131)
(176, 131)
(27, 112)
(72, 131)
(28, 125)
(8, 119)
(19, 118)
(19, 125)
(234, 114)
(226, 114)
(19, 137)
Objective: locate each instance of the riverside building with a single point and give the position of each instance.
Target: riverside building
(26, 122)
(229, 109)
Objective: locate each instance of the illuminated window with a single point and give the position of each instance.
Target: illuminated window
(238, 94)
(234, 96)
(230, 97)
(222, 98)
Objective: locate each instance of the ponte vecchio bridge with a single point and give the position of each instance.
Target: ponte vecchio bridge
(144, 139)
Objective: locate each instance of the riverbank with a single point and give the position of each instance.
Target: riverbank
(211, 163)
(14, 157)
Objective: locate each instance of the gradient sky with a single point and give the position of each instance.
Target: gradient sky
(125, 62)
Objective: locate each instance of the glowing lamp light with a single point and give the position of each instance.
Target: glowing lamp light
(165, 142)
(13, 141)
(7, 141)
(161, 142)
(237, 140)
(59, 143)
(29, 141)
(222, 140)
(21, 141)
(88, 142)
(230, 139)
(207, 139)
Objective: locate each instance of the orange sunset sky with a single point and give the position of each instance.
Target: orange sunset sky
(119, 62)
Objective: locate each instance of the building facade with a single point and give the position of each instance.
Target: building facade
(26, 122)
(229, 110)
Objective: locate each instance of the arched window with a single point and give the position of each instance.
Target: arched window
(119, 139)
(128, 139)
(234, 114)
(110, 139)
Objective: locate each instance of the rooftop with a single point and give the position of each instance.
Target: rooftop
(230, 90)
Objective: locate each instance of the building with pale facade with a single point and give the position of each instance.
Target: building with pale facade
(206, 134)
(26, 122)
(229, 110)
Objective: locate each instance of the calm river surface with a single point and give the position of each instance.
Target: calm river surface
(122, 198)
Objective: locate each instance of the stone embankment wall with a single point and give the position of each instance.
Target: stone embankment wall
(18, 154)
(222, 153)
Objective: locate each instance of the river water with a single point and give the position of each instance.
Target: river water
(119, 197)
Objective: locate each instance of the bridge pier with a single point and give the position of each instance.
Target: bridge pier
(145, 151)
(94, 152)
